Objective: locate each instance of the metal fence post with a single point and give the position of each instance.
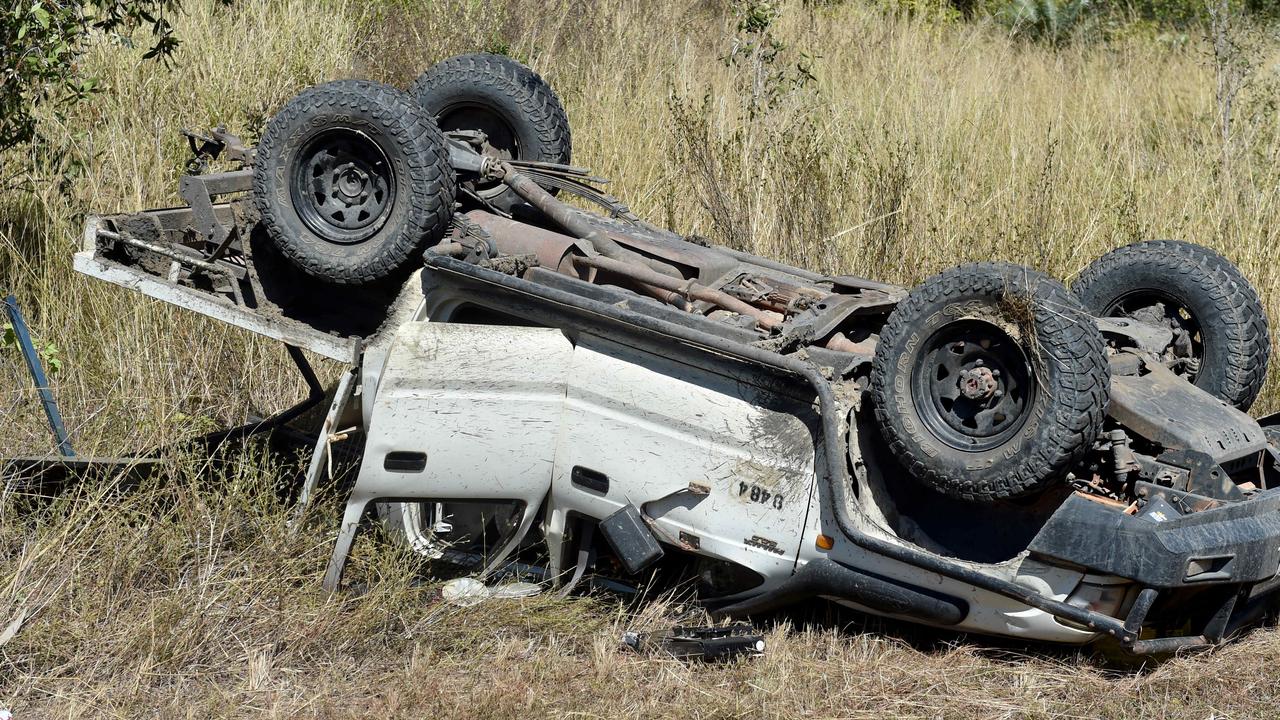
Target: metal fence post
(36, 369)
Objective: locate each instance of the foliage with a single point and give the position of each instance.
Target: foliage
(42, 40)
(1175, 13)
(49, 354)
(1048, 20)
(1180, 13)
(756, 49)
(1055, 20)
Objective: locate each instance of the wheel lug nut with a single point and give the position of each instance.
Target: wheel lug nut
(977, 363)
(995, 373)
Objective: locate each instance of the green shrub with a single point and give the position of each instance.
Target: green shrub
(930, 9)
(1048, 20)
(41, 44)
(1180, 13)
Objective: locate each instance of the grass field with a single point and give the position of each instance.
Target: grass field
(869, 143)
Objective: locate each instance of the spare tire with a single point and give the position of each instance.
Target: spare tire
(990, 382)
(352, 182)
(518, 112)
(1220, 337)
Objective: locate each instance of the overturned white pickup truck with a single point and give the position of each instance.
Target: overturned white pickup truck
(593, 396)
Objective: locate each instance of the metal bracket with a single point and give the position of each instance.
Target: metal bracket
(199, 191)
(321, 454)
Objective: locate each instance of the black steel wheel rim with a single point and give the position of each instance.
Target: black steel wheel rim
(501, 137)
(342, 186)
(1163, 309)
(973, 385)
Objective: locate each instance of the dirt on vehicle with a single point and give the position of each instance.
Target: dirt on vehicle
(581, 398)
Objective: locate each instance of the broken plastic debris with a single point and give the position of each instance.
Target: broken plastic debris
(465, 592)
(515, 590)
(699, 643)
(5, 715)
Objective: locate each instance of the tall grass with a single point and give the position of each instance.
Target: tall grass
(913, 146)
(886, 145)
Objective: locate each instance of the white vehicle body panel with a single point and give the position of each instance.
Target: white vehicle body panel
(717, 465)
(712, 462)
(482, 403)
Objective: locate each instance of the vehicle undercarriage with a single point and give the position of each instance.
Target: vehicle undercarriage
(534, 383)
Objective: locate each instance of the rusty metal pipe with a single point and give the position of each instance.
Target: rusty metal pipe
(616, 259)
(840, 342)
(684, 288)
(554, 250)
(452, 249)
(567, 218)
(666, 297)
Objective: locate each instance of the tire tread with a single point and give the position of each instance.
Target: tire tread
(1240, 320)
(1077, 407)
(431, 180)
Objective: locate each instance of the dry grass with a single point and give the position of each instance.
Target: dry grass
(914, 147)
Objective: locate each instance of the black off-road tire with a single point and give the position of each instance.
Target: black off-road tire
(1235, 344)
(384, 132)
(1064, 385)
(524, 116)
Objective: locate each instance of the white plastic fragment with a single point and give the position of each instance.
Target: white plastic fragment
(465, 592)
(516, 590)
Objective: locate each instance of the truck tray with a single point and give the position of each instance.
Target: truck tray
(245, 309)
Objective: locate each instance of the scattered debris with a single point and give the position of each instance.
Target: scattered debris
(465, 592)
(699, 643)
(11, 631)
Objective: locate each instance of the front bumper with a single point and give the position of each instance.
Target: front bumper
(1206, 573)
(1230, 544)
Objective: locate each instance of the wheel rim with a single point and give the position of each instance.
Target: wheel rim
(1185, 354)
(503, 142)
(342, 186)
(974, 387)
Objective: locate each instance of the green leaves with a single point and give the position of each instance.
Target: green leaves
(41, 16)
(758, 54)
(50, 355)
(32, 47)
(41, 40)
(1047, 20)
